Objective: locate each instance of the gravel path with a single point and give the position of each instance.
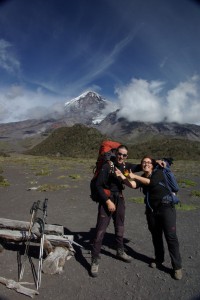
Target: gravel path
(72, 208)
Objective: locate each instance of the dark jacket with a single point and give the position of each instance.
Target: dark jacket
(154, 192)
(109, 181)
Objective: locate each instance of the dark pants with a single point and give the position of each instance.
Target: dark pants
(163, 220)
(103, 220)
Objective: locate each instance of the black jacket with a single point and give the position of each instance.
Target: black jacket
(155, 191)
(108, 180)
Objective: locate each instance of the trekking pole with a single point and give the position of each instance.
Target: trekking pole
(39, 274)
(33, 212)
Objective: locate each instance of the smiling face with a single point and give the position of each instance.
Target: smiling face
(147, 165)
(122, 154)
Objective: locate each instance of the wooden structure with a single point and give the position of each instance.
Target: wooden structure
(57, 247)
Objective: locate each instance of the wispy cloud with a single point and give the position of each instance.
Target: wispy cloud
(8, 60)
(100, 62)
(142, 100)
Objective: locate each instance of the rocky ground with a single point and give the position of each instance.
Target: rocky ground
(71, 207)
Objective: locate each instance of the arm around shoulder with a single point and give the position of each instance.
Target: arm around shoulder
(143, 180)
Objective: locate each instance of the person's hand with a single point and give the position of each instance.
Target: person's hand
(111, 206)
(118, 173)
(161, 163)
(131, 175)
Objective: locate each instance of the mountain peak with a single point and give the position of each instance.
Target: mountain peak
(87, 108)
(88, 95)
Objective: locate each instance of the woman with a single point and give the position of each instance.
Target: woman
(161, 217)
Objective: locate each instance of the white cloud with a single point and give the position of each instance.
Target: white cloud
(183, 102)
(18, 103)
(8, 60)
(141, 100)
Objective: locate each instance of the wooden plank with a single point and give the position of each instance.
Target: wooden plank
(11, 284)
(24, 226)
(19, 236)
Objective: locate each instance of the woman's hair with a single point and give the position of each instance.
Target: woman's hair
(149, 157)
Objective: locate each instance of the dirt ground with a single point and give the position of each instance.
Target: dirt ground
(72, 208)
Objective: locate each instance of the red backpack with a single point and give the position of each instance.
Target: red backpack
(107, 154)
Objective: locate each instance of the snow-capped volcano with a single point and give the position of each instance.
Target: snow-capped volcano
(89, 106)
(92, 96)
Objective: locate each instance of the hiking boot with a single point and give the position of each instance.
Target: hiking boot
(94, 267)
(123, 256)
(178, 274)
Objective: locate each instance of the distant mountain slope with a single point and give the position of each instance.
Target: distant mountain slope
(142, 131)
(75, 141)
(92, 110)
(82, 141)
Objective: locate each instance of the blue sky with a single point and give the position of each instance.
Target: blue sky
(142, 55)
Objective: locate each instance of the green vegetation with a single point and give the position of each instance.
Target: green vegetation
(136, 199)
(186, 182)
(4, 154)
(77, 141)
(3, 182)
(83, 142)
(166, 147)
(187, 207)
(72, 170)
(75, 176)
(195, 193)
(52, 187)
(43, 172)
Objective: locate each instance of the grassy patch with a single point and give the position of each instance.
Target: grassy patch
(43, 172)
(75, 176)
(4, 182)
(186, 182)
(195, 193)
(52, 187)
(187, 207)
(136, 200)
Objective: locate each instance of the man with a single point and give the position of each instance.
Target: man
(111, 205)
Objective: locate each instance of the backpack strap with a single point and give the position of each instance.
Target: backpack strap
(112, 166)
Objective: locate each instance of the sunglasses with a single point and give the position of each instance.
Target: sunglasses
(121, 154)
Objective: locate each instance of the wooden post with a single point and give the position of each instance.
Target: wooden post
(24, 226)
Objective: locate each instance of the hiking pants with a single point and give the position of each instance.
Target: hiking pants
(103, 220)
(163, 220)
